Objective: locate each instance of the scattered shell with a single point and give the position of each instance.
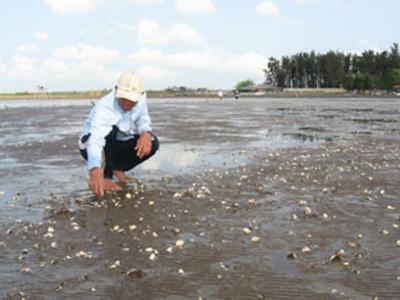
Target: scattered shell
(338, 256)
(306, 249)
(398, 243)
(291, 255)
(255, 239)
(177, 195)
(179, 244)
(26, 270)
(252, 201)
(359, 236)
(307, 210)
(325, 216)
(294, 217)
(132, 227)
(115, 265)
(385, 232)
(246, 230)
(60, 287)
(181, 272)
(84, 254)
(53, 245)
(170, 249)
(219, 276)
(75, 226)
(152, 256)
(128, 196)
(134, 273)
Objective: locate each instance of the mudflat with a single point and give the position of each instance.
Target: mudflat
(246, 199)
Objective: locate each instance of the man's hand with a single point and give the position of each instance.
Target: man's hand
(143, 146)
(96, 182)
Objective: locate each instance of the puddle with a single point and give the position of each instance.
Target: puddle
(177, 159)
(286, 140)
(8, 104)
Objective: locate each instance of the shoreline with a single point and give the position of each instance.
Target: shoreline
(208, 96)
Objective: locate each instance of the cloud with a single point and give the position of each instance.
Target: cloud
(306, 2)
(40, 35)
(155, 72)
(192, 7)
(3, 66)
(364, 45)
(218, 62)
(150, 33)
(55, 66)
(268, 9)
(26, 48)
(144, 1)
(72, 6)
(86, 53)
(24, 63)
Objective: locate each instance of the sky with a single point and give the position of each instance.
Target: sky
(86, 44)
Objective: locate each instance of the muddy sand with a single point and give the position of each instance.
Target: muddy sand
(247, 199)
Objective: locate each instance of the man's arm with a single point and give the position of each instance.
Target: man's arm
(143, 146)
(100, 127)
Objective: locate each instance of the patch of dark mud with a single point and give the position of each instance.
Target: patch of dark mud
(313, 129)
(308, 138)
(372, 121)
(361, 132)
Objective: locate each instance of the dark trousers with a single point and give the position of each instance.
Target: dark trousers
(121, 155)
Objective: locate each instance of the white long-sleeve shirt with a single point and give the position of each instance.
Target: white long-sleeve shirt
(104, 115)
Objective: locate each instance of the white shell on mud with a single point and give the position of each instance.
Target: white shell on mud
(246, 230)
(307, 210)
(115, 265)
(255, 239)
(84, 254)
(306, 249)
(26, 270)
(181, 272)
(179, 244)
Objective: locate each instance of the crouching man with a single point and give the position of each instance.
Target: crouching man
(117, 135)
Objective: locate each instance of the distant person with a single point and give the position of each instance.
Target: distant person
(236, 94)
(117, 135)
(220, 95)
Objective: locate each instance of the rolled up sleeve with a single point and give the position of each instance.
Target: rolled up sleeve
(101, 126)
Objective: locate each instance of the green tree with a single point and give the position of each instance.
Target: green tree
(242, 85)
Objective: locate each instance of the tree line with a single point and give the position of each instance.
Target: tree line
(334, 69)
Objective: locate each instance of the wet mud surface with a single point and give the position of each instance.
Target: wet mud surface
(248, 199)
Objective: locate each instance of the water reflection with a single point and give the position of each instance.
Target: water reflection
(5, 104)
(180, 159)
